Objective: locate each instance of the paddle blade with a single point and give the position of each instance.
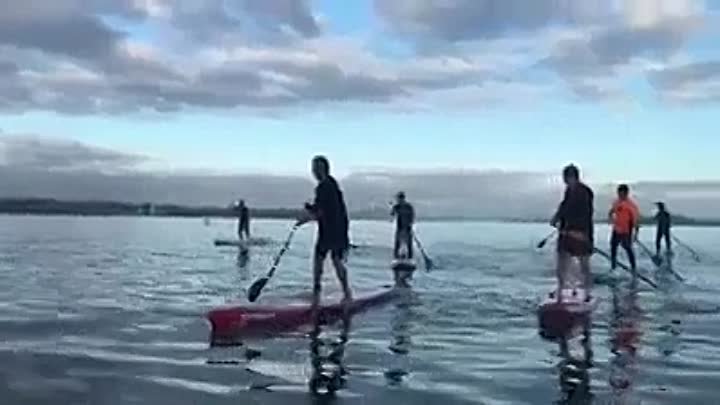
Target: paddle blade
(429, 264)
(256, 288)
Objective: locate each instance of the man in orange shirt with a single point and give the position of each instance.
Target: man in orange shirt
(625, 218)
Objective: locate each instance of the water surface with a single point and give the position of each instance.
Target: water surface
(110, 311)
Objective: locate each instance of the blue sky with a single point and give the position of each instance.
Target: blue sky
(626, 95)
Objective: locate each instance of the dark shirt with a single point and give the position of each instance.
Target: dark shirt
(329, 208)
(664, 221)
(244, 216)
(576, 210)
(404, 214)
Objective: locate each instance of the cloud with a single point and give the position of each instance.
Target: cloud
(690, 83)
(33, 166)
(33, 152)
(127, 56)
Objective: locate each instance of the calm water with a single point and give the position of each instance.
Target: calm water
(110, 311)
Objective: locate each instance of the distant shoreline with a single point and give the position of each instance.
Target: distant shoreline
(50, 207)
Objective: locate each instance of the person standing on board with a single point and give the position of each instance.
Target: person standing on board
(574, 219)
(330, 212)
(404, 214)
(243, 220)
(664, 223)
(625, 218)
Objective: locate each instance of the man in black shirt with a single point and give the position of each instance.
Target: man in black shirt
(664, 223)
(243, 220)
(330, 212)
(574, 217)
(405, 218)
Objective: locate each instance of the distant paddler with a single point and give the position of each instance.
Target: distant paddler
(574, 219)
(663, 220)
(404, 215)
(243, 215)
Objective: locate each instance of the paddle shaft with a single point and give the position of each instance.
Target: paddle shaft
(282, 251)
(609, 258)
(625, 267)
(544, 242)
(656, 260)
(686, 247)
(428, 262)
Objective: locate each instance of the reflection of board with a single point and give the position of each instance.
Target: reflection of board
(562, 319)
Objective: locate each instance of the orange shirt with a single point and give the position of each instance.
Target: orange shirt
(626, 216)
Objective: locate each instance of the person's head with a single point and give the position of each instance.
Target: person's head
(660, 206)
(320, 167)
(400, 197)
(571, 175)
(623, 191)
(241, 203)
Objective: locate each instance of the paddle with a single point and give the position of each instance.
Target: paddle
(625, 267)
(428, 261)
(696, 255)
(257, 287)
(657, 260)
(544, 242)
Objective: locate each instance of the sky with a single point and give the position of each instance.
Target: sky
(627, 89)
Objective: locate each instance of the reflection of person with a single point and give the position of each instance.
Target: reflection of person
(404, 214)
(574, 217)
(328, 370)
(624, 340)
(574, 372)
(331, 215)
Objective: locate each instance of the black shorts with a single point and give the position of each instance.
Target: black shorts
(337, 251)
(574, 246)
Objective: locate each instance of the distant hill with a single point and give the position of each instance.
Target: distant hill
(46, 206)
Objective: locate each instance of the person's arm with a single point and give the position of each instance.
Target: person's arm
(611, 213)
(560, 212)
(412, 215)
(313, 210)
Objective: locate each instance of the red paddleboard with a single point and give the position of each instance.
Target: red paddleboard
(564, 319)
(257, 321)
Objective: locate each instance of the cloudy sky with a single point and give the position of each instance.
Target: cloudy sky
(493, 96)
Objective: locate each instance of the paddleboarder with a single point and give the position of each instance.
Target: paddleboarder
(330, 212)
(404, 214)
(243, 220)
(625, 219)
(574, 219)
(663, 220)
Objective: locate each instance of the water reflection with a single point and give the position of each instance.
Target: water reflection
(328, 374)
(401, 328)
(242, 260)
(625, 335)
(575, 387)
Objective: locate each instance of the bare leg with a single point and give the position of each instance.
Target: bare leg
(587, 275)
(341, 272)
(563, 261)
